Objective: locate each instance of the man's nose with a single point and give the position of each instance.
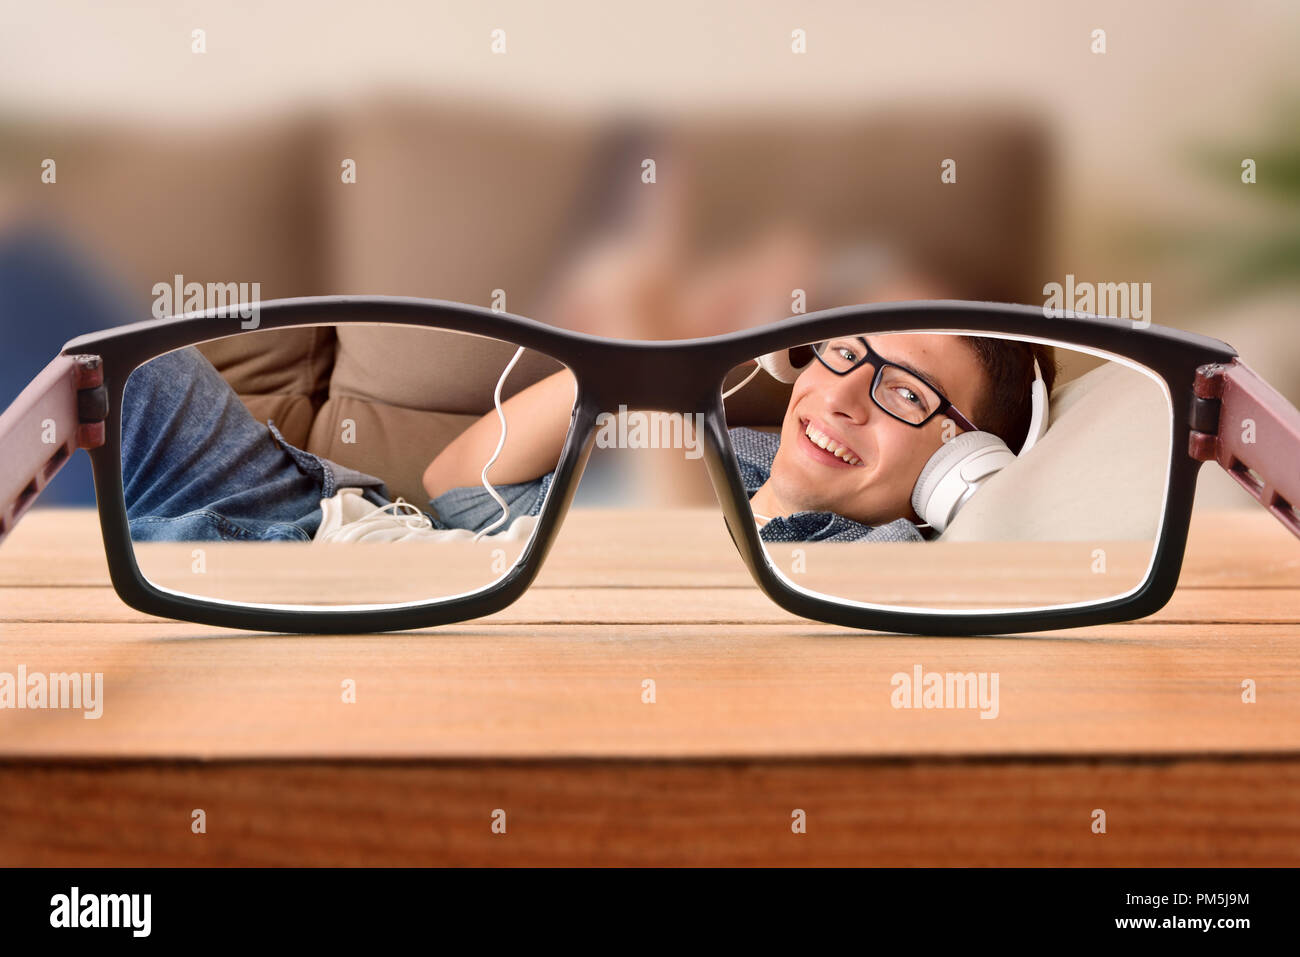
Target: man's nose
(850, 394)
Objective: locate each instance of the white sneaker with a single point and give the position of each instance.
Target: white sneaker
(349, 517)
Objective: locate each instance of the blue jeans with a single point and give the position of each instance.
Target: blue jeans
(196, 466)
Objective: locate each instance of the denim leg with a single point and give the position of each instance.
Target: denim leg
(198, 467)
(473, 508)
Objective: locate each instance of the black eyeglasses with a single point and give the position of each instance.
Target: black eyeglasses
(356, 464)
(895, 389)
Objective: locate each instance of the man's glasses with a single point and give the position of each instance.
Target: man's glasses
(896, 390)
(358, 464)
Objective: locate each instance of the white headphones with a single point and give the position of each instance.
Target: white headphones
(961, 465)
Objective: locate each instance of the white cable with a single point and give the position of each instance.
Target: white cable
(501, 444)
(736, 388)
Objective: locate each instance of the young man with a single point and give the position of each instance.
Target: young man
(198, 466)
(842, 467)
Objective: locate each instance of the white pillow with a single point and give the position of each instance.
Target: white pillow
(1098, 473)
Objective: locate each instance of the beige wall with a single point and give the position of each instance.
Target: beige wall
(1174, 71)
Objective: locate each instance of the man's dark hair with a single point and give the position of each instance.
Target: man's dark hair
(1005, 409)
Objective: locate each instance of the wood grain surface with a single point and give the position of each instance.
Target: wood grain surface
(538, 711)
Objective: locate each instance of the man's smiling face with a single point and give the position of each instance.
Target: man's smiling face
(879, 458)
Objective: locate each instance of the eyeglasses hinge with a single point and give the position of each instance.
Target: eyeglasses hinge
(92, 401)
(1207, 393)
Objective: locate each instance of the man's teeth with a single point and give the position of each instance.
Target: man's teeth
(830, 445)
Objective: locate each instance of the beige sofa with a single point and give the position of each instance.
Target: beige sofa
(454, 200)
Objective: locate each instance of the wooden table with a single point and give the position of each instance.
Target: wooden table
(538, 711)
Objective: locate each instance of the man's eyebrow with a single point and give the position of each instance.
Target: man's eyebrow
(925, 377)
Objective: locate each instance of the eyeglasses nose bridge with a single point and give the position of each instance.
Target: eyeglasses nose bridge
(847, 381)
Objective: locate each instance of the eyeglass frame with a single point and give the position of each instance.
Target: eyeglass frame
(879, 363)
(1199, 374)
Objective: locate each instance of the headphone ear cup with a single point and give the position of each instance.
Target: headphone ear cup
(954, 472)
(779, 367)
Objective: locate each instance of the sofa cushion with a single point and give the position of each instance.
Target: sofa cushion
(399, 395)
(155, 200)
(1097, 474)
(281, 374)
(429, 369)
(453, 200)
(388, 441)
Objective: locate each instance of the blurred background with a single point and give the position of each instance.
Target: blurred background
(503, 146)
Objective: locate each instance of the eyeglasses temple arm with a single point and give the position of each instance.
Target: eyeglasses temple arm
(63, 409)
(1253, 432)
(966, 424)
